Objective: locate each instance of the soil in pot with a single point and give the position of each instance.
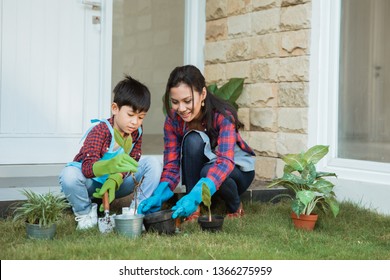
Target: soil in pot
(34, 231)
(306, 222)
(160, 222)
(129, 225)
(213, 226)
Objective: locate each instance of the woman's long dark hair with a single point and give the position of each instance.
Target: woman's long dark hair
(191, 76)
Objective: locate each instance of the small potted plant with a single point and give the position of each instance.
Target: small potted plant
(41, 212)
(209, 222)
(311, 190)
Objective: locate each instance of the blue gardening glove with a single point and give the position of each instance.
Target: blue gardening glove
(112, 184)
(153, 204)
(188, 203)
(117, 164)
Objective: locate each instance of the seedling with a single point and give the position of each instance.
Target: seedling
(206, 198)
(126, 143)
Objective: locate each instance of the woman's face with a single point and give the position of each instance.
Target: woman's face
(186, 104)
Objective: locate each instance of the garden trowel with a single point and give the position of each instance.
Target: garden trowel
(107, 223)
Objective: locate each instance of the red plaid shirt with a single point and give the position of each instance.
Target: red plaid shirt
(174, 130)
(97, 143)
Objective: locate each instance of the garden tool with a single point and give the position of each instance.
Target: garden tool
(107, 223)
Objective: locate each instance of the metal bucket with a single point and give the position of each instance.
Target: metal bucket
(129, 225)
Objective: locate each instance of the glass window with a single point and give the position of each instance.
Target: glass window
(364, 81)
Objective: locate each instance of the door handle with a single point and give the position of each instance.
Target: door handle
(94, 4)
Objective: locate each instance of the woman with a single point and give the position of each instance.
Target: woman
(201, 139)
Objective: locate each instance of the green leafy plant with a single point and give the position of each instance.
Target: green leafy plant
(43, 209)
(206, 198)
(310, 188)
(126, 143)
(230, 91)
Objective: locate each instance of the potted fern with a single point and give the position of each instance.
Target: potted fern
(209, 222)
(311, 191)
(41, 212)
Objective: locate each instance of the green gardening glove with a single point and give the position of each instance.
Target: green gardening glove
(112, 184)
(119, 163)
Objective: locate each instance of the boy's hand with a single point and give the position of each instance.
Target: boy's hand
(112, 184)
(119, 163)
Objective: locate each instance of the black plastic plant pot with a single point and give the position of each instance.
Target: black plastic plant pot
(213, 226)
(160, 222)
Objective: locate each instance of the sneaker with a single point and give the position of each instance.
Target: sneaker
(89, 220)
(238, 214)
(193, 217)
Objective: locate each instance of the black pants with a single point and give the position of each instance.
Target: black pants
(195, 165)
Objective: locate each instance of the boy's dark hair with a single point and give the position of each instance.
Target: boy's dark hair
(130, 92)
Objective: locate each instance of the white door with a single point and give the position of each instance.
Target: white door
(50, 78)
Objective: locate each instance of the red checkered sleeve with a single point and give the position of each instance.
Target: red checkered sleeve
(173, 135)
(227, 137)
(97, 143)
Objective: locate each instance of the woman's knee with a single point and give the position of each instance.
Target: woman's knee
(193, 143)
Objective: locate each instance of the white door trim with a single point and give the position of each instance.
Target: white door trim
(106, 58)
(194, 33)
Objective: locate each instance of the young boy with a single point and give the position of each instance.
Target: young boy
(102, 165)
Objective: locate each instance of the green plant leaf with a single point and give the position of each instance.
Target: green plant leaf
(297, 207)
(295, 161)
(294, 179)
(306, 196)
(212, 88)
(323, 186)
(231, 90)
(128, 142)
(206, 198)
(118, 137)
(316, 153)
(124, 142)
(333, 205)
(309, 173)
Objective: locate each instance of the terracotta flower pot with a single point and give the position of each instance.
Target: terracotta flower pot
(213, 226)
(306, 222)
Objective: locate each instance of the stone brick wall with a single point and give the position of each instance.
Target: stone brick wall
(267, 43)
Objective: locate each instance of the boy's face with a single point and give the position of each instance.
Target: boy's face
(126, 120)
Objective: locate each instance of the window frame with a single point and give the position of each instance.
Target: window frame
(323, 98)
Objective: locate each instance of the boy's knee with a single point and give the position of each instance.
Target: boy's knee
(71, 176)
(152, 164)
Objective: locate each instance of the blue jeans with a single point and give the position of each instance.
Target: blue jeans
(79, 189)
(195, 165)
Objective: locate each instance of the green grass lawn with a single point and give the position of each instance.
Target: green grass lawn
(265, 233)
